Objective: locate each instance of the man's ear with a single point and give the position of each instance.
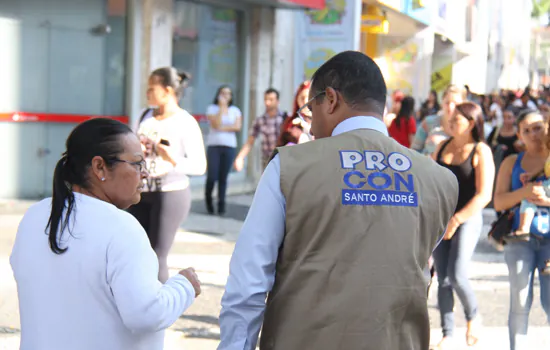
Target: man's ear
(332, 98)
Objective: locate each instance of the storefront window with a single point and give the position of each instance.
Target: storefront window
(64, 56)
(207, 44)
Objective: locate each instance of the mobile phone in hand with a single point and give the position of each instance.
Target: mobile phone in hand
(165, 142)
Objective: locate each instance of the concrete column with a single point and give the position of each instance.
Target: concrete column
(261, 73)
(283, 62)
(156, 48)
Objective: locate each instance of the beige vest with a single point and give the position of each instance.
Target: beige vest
(363, 215)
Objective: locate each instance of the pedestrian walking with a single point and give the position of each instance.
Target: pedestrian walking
(434, 129)
(225, 121)
(526, 253)
(267, 127)
(353, 217)
(403, 126)
(91, 282)
(174, 149)
(471, 161)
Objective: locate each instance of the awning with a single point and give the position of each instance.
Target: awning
(290, 4)
(312, 4)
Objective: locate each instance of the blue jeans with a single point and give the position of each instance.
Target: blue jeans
(220, 159)
(452, 258)
(523, 258)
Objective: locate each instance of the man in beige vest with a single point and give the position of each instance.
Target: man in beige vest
(339, 231)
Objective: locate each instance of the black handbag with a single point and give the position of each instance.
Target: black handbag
(501, 228)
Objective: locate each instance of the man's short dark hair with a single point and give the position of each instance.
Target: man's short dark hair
(272, 91)
(356, 77)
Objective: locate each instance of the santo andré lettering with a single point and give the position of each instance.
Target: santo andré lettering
(374, 178)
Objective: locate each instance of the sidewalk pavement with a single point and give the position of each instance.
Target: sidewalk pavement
(206, 242)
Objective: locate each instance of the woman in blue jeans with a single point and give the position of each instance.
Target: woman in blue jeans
(524, 255)
(225, 121)
(471, 160)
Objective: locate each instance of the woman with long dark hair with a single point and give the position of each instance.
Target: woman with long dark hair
(430, 107)
(403, 126)
(91, 281)
(471, 160)
(225, 121)
(174, 149)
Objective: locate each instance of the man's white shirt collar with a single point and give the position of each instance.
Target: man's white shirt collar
(360, 122)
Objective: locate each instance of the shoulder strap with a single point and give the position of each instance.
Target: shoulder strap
(471, 156)
(145, 112)
(445, 143)
(494, 141)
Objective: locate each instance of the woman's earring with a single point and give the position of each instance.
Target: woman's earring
(102, 179)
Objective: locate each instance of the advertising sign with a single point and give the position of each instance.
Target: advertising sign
(323, 33)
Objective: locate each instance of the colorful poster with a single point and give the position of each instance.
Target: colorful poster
(442, 78)
(398, 63)
(322, 34)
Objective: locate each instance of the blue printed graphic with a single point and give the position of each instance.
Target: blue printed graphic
(393, 198)
(382, 181)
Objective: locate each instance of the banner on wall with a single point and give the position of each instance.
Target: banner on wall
(398, 64)
(323, 33)
(407, 63)
(442, 78)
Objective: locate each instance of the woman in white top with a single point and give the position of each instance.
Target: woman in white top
(86, 274)
(225, 121)
(174, 149)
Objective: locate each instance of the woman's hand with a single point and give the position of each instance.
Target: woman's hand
(147, 146)
(165, 153)
(525, 178)
(519, 146)
(452, 226)
(222, 101)
(537, 194)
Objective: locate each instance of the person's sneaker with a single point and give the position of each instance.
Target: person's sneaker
(209, 208)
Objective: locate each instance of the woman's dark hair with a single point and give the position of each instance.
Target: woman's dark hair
(473, 112)
(230, 103)
(406, 112)
(170, 77)
(524, 113)
(95, 137)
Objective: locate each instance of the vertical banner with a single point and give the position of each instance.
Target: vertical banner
(322, 34)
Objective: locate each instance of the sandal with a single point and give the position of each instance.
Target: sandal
(444, 344)
(473, 333)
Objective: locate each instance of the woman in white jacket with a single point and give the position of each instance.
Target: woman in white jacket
(87, 277)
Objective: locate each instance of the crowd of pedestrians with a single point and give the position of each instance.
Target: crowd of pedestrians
(325, 232)
(499, 143)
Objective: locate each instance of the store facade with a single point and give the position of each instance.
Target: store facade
(62, 61)
(65, 61)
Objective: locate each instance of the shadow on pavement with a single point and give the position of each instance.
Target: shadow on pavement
(202, 318)
(9, 330)
(490, 278)
(211, 285)
(233, 211)
(198, 333)
(486, 252)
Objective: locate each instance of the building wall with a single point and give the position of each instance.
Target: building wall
(515, 41)
(470, 67)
